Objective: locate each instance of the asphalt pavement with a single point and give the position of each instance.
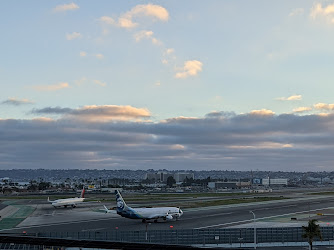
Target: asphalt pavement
(88, 217)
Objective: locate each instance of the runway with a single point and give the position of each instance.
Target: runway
(88, 217)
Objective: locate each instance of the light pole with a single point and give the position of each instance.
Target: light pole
(254, 229)
(146, 238)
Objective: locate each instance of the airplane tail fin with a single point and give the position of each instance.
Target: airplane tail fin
(82, 193)
(121, 205)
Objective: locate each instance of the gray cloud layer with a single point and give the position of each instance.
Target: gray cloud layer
(16, 102)
(218, 141)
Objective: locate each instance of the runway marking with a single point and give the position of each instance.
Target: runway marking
(60, 223)
(263, 218)
(206, 216)
(267, 208)
(289, 206)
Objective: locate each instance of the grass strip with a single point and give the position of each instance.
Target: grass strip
(322, 193)
(16, 218)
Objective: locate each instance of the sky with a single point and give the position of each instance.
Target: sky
(191, 85)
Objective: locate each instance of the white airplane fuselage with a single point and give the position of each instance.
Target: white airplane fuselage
(151, 213)
(166, 213)
(67, 202)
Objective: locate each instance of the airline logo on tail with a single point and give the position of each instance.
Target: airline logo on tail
(82, 193)
(119, 201)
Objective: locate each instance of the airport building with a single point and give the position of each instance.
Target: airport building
(162, 176)
(268, 181)
(181, 176)
(222, 185)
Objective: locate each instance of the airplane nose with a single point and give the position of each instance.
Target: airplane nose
(181, 212)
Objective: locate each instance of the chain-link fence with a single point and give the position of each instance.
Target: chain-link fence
(195, 237)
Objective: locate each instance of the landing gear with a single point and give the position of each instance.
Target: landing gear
(73, 206)
(143, 220)
(65, 206)
(155, 221)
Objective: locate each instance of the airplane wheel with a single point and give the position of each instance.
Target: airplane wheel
(155, 221)
(65, 206)
(144, 221)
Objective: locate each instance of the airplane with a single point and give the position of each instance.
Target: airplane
(69, 201)
(166, 213)
(108, 210)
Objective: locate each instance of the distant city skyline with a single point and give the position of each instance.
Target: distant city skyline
(171, 85)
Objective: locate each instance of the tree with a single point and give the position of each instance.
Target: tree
(311, 231)
(170, 181)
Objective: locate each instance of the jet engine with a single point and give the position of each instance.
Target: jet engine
(169, 217)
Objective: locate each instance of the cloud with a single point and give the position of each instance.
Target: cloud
(54, 87)
(149, 10)
(66, 7)
(52, 111)
(326, 12)
(324, 106)
(154, 12)
(169, 51)
(262, 112)
(81, 81)
(102, 84)
(17, 102)
(146, 34)
(296, 12)
(98, 113)
(127, 23)
(73, 36)
(302, 109)
(290, 98)
(190, 68)
(122, 22)
(99, 56)
(177, 147)
(107, 20)
(219, 140)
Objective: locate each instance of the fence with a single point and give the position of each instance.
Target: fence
(195, 237)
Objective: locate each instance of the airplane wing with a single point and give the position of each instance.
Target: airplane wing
(107, 210)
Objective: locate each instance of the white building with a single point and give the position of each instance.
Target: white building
(268, 181)
(162, 176)
(180, 177)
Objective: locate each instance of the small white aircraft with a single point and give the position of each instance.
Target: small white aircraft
(166, 213)
(69, 201)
